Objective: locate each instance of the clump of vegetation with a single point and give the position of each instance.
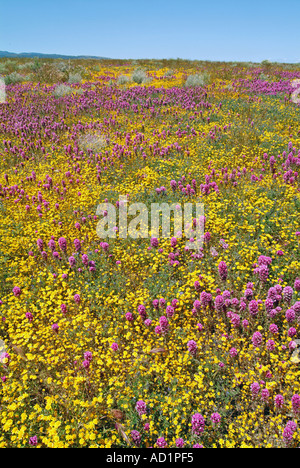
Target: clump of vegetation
(74, 78)
(13, 78)
(139, 76)
(169, 73)
(197, 80)
(62, 90)
(3, 69)
(263, 77)
(92, 142)
(26, 66)
(123, 79)
(266, 63)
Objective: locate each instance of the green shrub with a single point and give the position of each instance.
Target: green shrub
(123, 79)
(3, 69)
(62, 90)
(197, 80)
(266, 63)
(74, 78)
(139, 76)
(25, 66)
(13, 78)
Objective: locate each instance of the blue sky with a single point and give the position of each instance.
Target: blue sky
(224, 30)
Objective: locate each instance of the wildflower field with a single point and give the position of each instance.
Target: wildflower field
(111, 343)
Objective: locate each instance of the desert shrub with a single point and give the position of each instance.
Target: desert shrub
(197, 80)
(35, 66)
(11, 65)
(139, 76)
(74, 78)
(62, 90)
(29, 77)
(123, 79)
(13, 78)
(25, 66)
(266, 63)
(49, 73)
(2, 90)
(3, 69)
(62, 66)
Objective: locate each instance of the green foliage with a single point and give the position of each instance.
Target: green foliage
(13, 78)
(139, 76)
(197, 80)
(62, 90)
(123, 79)
(74, 78)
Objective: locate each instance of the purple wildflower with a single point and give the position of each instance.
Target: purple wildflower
(136, 437)
(55, 327)
(257, 339)
(129, 316)
(29, 316)
(290, 315)
(161, 442)
(235, 320)
(296, 403)
(255, 388)
(215, 418)
(164, 324)
(198, 424)
(77, 299)
(219, 303)
(142, 311)
(223, 271)
(141, 407)
(88, 356)
(72, 261)
(253, 308)
(62, 244)
(288, 432)
(270, 345)
(273, 329)
(17, 291)
(170, 311)
(33, 440)
(154, 242)
(288, 294)
(192, 347)
(279, 401)
(180, 443)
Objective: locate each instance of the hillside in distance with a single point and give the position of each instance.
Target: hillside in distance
(39, 55)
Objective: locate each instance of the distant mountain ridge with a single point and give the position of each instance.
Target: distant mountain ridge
(4, 53)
